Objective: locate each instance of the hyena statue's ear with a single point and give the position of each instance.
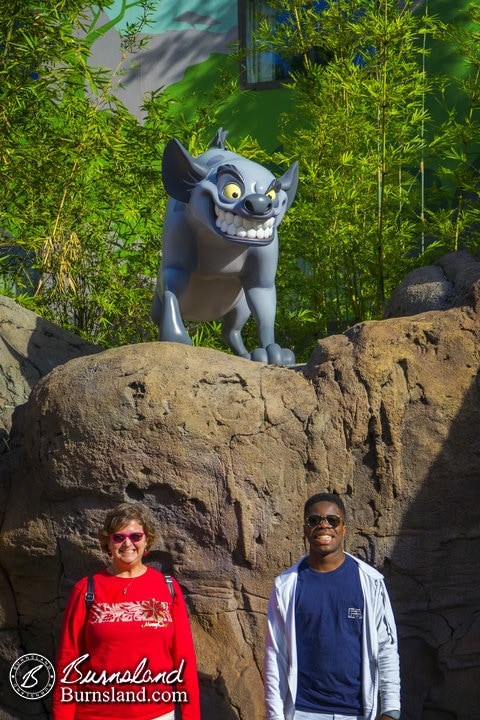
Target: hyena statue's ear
(180, 172)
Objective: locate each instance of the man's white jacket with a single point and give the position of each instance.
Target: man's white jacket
(380, 661)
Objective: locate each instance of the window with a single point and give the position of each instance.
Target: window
(263, 70)
(260, 69)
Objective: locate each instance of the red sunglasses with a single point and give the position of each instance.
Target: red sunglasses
(134, 537)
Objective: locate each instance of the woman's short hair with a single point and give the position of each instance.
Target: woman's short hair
(120, 516)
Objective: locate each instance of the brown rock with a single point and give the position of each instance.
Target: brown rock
(446, 284)
(30, 347)
(225, 451)
(399, 428)
(218, 455)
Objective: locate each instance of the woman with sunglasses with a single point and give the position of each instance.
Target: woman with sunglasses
(126, 647)
(331, 646)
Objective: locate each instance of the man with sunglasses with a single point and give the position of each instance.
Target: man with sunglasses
(331, 646)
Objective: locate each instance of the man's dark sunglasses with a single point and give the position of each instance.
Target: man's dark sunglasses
(312, 521)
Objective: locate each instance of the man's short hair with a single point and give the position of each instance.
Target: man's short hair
(332, 498)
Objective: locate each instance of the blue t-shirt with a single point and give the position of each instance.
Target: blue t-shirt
(328, 621)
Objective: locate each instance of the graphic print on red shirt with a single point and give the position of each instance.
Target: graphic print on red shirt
(129, 656)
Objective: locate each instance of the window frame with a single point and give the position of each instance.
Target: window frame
(244, 47)
(243, 35)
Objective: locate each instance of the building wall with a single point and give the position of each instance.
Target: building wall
(182, 34)
(188, 45)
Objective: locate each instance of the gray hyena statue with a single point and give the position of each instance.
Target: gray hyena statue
(220, 246)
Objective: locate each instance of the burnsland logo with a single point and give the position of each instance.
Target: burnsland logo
(32, 676)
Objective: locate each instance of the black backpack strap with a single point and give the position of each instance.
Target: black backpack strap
(169, 581)
(90, 594)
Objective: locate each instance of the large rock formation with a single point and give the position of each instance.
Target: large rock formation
(224, 452)
(30, 347)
